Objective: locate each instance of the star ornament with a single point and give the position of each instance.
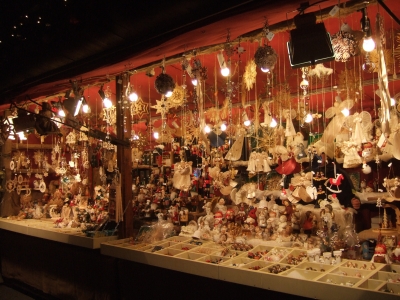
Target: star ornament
(139, 108)
(162, 107)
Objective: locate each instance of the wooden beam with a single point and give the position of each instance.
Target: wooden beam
(124, 155)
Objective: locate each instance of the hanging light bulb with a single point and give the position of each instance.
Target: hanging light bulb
(207, 129)
(85, 108)
(194, 81)
(61, 113)
(392, 102)
(107, 102)
(156, 135)
(223, 127)
(273, 123)
(133, 97)
(168, 94)
(345, 112)
(308, 118)
(222, 64)
(368, 44)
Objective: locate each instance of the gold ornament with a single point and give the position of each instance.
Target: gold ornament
(139, 108)
(249, 76)
(177, 97)
(162, 107)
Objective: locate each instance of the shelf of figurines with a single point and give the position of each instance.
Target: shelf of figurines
(45, 229)
(269, 265)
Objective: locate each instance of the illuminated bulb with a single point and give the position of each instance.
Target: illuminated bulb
(22, 136)
(308, 118)
(61, 113)
(223, 127)
(133, 97)
(392, 102)
(207, 129)
(247, 123)
(345, 112)
(107, 103)
(136, 137)
(85, 108)
(273, 123)
(194, 81)
(225, 72)
(11, 136)
(368, 44)
(265, 70)
(156, 135)
(168, 94)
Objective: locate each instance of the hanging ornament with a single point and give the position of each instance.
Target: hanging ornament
(177, 98)
(164, 83)
(344, 44)
(139, 108)
(265, 58)
(250, 73)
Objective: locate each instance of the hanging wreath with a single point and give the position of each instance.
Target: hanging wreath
(265, 57)
(164, 83)
(344, 45)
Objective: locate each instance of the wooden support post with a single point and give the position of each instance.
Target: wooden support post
(124, 155)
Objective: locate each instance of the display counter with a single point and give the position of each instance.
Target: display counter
(45, 229)
(280, 269)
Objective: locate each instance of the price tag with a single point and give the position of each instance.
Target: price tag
(334, 10)
(270, 36)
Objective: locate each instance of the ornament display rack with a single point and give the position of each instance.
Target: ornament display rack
(348, 279)
(44, 228)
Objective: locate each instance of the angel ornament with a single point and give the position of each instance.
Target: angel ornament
(351, 157)
(289, 115)
(236, 150)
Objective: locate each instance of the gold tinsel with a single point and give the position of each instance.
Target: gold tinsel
(397, 50)
(249, 76)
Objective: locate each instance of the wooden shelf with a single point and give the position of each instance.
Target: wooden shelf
(44, 228)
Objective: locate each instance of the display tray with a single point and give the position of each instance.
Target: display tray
(44, 228)
(281, 269)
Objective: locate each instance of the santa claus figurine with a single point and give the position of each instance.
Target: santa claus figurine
(380, 254)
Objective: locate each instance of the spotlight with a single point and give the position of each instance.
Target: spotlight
(222, 64)
(309, 43)
(78, 106)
